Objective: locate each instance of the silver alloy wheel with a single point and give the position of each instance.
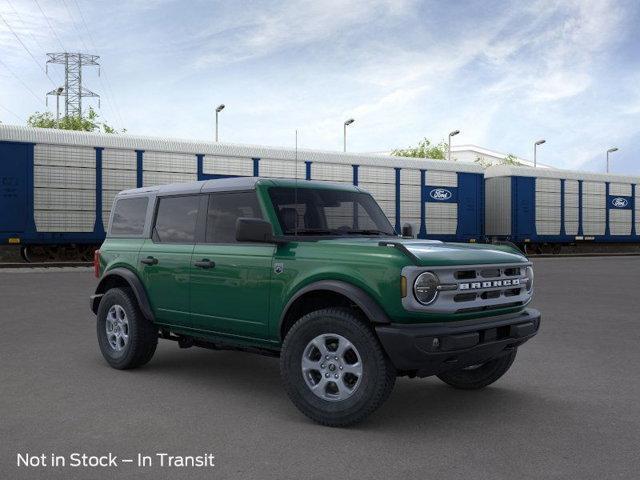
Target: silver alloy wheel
(332, 367)
(117, 327)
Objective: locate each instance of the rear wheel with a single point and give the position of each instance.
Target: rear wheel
(126, 338)
(479, 376)
(334, 369)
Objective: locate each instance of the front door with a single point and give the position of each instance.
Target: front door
(230, 281)
(165, 259)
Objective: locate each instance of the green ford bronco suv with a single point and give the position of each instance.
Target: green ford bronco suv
(313, 273)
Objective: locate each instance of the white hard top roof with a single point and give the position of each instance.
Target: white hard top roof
(232, 184)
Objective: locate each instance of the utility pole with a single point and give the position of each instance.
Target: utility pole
(73, 90)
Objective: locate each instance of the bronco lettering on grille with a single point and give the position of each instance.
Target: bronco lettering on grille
(491, 284)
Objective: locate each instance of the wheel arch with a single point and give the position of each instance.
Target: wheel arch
(123, 277)
(337, 291)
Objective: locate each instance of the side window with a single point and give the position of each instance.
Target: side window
(176, 219)
(340, 216)
(224, 209)
(292, 216)
(128, 216)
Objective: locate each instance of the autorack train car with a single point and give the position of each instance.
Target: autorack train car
(544, 210)
(58, 186)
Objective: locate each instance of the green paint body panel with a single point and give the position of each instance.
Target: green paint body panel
(242, 299)
(232, 297)
(168, 283)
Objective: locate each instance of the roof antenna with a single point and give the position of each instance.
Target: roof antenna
(295, 190)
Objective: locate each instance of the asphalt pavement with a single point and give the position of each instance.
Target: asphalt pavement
(568, 408)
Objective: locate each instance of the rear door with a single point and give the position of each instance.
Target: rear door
(165, 259)
(230, 281)
(14, 160)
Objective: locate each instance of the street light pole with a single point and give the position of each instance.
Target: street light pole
(611, 150)
(219, 108)
(451, 134)
(59, 91)
(344, 135)
(535, 151)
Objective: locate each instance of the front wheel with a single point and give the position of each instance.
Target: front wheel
(479, 376)
(334, 369)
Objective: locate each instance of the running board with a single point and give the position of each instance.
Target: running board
(185, 341)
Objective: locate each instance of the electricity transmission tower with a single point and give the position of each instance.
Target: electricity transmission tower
(73, 90)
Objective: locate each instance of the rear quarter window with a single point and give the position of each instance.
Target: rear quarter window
(129, 215)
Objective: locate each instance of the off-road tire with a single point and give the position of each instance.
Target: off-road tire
(142, 334)
(378, 377)
(480, 377)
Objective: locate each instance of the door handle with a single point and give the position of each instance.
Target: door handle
(149, 261)
(205, 263)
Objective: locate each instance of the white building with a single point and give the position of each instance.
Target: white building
(470, 153)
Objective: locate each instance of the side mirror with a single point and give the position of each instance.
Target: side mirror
(253, 230)
(407, 230)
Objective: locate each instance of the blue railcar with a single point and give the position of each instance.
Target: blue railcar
(549, 208)
(58, 186)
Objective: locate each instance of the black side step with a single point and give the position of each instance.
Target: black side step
(185, 341)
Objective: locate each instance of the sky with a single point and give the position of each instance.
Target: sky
(504, 73)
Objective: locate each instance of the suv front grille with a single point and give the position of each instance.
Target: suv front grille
(490, 273)
(465, 274)
(490, 307)
(473, 288)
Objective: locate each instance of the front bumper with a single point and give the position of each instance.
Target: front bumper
(429, 349)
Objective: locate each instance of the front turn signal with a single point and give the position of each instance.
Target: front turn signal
(403, 286)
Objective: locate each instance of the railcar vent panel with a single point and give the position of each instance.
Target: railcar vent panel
(282, 168)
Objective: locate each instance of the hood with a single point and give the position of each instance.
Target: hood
(436, 253)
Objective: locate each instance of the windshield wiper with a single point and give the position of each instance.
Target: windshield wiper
(367, 232)
(312, 231)
(326, 231)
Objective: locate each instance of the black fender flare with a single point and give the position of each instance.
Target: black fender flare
(134, 283)
(362, 299)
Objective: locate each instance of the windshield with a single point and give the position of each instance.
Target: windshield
(317, 211)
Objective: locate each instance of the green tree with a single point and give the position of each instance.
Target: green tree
(483, 162)
(87, 123)
(510, 159)
(425, 149)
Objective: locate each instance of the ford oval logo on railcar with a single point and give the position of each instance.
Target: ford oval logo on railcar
(440, 194)
(619, 202)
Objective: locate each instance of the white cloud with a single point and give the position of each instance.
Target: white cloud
(558, 85)
(262, 31)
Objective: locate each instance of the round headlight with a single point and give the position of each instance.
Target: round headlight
(529, 278)
(425, 288)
